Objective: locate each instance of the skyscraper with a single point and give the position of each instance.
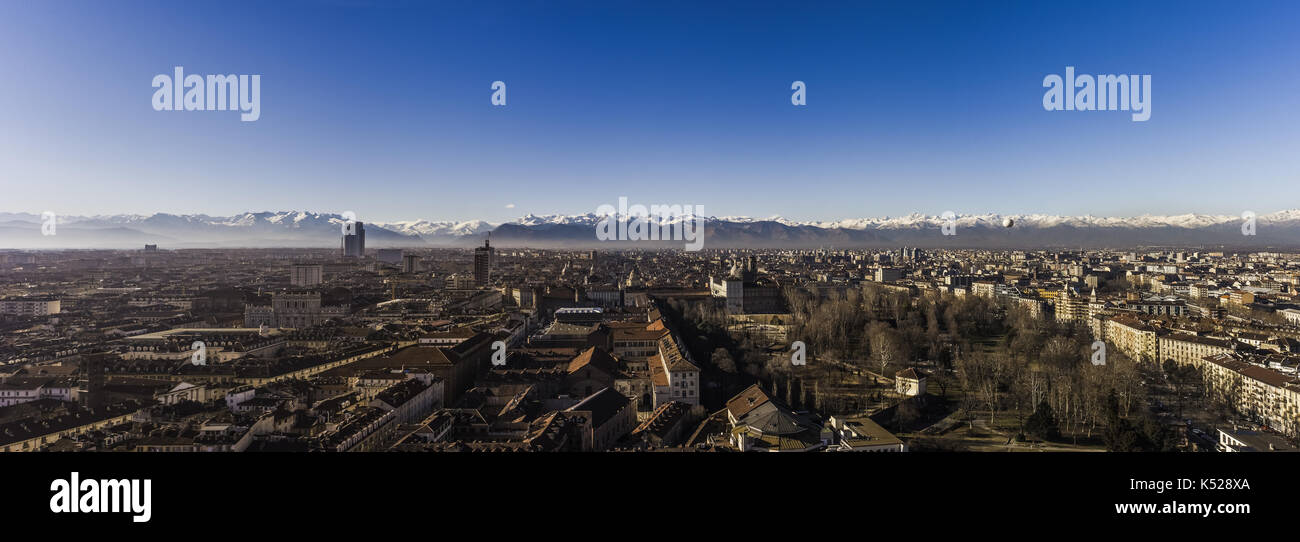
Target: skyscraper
(483, 264)
(354, 244)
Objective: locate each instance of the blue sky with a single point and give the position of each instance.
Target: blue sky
(383, 108)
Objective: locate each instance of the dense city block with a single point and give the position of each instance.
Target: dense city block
(514, 349)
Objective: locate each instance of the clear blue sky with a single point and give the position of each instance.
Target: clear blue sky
(384, 108)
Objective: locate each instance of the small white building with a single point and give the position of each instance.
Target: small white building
(909, 382)
(18, 390)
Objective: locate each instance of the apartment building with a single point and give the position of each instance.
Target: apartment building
(1263, 394)
(1071, 307)
(1133, 337)
(675, 377)
(30, 306)
(1184, 348)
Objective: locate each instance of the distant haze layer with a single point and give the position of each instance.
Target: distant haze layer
(309, 229)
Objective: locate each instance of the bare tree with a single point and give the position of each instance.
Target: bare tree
(887, 346)
(984, 374)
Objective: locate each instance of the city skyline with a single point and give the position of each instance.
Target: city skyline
(387, 111)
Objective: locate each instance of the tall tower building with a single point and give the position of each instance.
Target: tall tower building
(92, 369)
(354, 244)
(306, 275)
(483, 264)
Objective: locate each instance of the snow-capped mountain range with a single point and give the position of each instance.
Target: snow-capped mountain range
(313, 229)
